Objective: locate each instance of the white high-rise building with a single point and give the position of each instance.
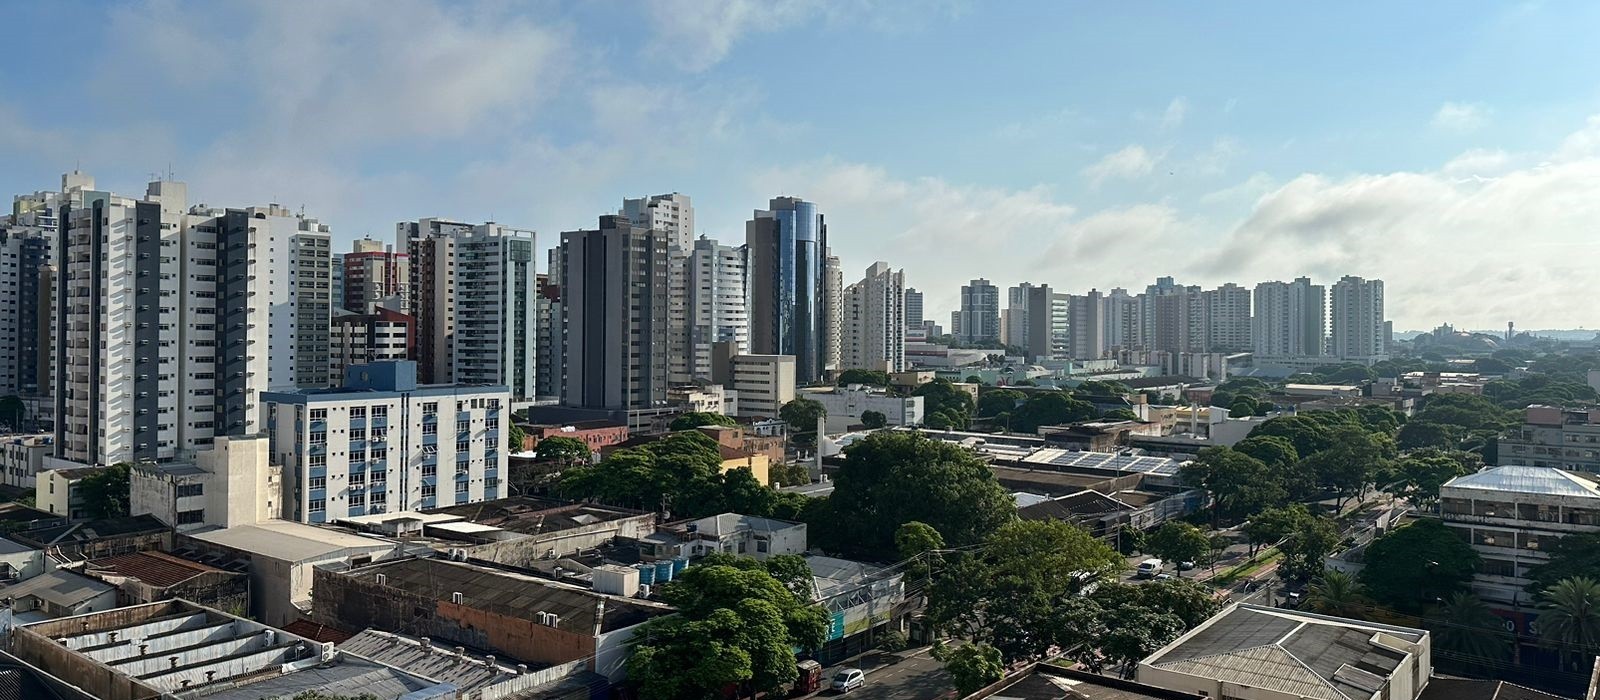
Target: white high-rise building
(1289, 319)
(874, 323)
(473, 291)
(672, 214)
(1124, 320)
(1227, 319)
(299, 294)
(1087, 314)
(161, 324)
(833, 315)
(1014, 317)
(718, 287)
(1359, 333)
(384, 444)
(979, 319)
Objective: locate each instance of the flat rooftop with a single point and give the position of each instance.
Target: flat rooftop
(158, 569)
(1051, 481)
(510, 594)
(289, 541)
(535, 516)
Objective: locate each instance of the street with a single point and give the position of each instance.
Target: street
(909, 675)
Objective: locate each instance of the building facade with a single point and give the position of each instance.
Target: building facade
(791, 286)
(614, 316)
(1289, 319)
(718, 304)
(1087, 324)
(299, 296)
(381, 335)
(874, 328)
(1228, 319)
(384, 443)
(25, 261)
(1551, 436)
(979, 317)
(762, 383)
(913, 308)
(1512, 515)
(1357, 329)
(374, 274)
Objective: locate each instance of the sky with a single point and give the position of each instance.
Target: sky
(1451, 149)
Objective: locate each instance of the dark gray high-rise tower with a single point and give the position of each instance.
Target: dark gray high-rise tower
(789, 285)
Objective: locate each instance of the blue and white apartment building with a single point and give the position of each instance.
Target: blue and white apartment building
(383, 443)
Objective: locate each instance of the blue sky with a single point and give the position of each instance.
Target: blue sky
(1451, 149)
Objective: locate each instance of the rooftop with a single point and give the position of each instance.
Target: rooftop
(1474, 689)
(1546, 481)
(1153, 382)
(510, 594)
(1102, 461)
(13, 512)
(1311, 656)
(1085, 503)
(1047, 481)
(14, 547)
(734, 523)
(60, 587)
(534, 516)
(95, 530)
(289, 541)
(463, 670)
(1048, 682)
(158, 569)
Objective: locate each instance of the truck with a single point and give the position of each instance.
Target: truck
(1148, 568)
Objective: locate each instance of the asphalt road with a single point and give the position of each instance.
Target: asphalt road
(910, 675)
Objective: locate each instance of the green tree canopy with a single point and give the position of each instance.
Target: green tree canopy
(1095, 387)
(942, 397)
(1006, 594)
(997, 401)
(1120, 414)
(874, 419)
(735, 626)
(1273, 524)
(514, 438)
(1338, 594)
(563, 450)
(1418, 476)
(973, 667)
(1275, 451)
(695, 419)
(1576, 555)
(1240, 485)
(680, 471)
(1308, 436)
(892, 478)
(1463, 625)
(1418, 565)
(105, 492)
(914, 538)
(1178, 541)
(1422, 433)
(1050, 408)
(863, 376)
(1305, 547)
(802, 414)
(1569, 619)
(1355, 457)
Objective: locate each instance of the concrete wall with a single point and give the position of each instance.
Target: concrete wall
(36, 645)
(523, 551)
(27, 564)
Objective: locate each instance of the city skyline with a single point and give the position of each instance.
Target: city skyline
(1147, 165)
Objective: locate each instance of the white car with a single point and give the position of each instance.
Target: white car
(848, 679)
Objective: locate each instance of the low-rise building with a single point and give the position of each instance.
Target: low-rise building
(1512, 515)
(233, 483)
(150, 576)
(475, 676)
(98, 538)
(1261, 653)
(729, 533)
(860, 599)
(280, 556)
(763, 383)
(1555, 437)
(56, 489)
(178, 649)
(21, 457)
(19, 561)
(846, 404)
(528, 619)
(58, 593)
(598, 434)
(1096, 435)
(710, 398)
(383, 442)
(519, 531)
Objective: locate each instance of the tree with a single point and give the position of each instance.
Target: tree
(802, 415)
(105, 492)
(973, 667)
(1575, 555)
(1305, 547)
(863, 376)
(1178, 541)
(1006, 593)
(1336, 593)
(1349, 465)
(1135, 632)
(1120, 414)
(891, 478)
(1569, 618)
(680, 471)
(1240, 485)
(914, 538)
(789, 474)
(1273, 524)
(997, 401)
(1307, 435)
(1418, 476)
(1418, 565)
(1273, 450)
(940, 396)
(1464, 625)
(563, 450)
(874, 419)
(1421, 433)
(1191, 602)
(695, 419)
(515, 438)
(1050, 408)
(12, 411)
(794, 573)
(735, 626)
(1242, 406)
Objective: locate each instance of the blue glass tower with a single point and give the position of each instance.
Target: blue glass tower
(789, 300)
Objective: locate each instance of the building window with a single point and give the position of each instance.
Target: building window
(186, 490)
(380, 434)
(319, 437)
(461, 468)
(318, 482)
(319, 505)
(358, 500)
(430, 409)
(378, 454)
(380, 411)
(317, 460)
(761, 546)
(191, 517)
(491, 485)
(492, 423)
(429, 491)
(461, 488)
(358, 433)
(358, 412)
(319, 414)
(430, 470)
(463, 446)
(358, 479)
(430, 428)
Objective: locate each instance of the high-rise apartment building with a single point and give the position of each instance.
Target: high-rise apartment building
(1289, 319)
(718, 308)
(671, 214)
(833, 318)
(1164, 286)
(383, 335)
(1049, 318)
(874, 326)
(336, 280)
(614, 315)
(1180, 320)
(161, 323)
(374, 274)
(790, 285)
(980, 312)
(1087, 324)
(472, 292)
(383, 444)
(548, 344)
(1124, 320)
(1227, 319)
(913, 308)
(1014, 317)
(1358, 332)
(26, 257)
(299, 269)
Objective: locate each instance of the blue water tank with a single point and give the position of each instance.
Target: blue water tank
(664, 570)
(678, 565)
(647, 574)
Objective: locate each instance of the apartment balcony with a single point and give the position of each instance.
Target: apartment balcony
(358, 423)
(318, 448)
(430, 439)
(358, 444)
(430, 459)
(491, 472)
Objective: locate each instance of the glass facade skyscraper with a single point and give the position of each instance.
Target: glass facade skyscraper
(790, 312)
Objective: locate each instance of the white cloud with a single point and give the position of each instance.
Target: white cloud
(697, 34)
(1131, 162)
(1461, 117)
(1177, 109)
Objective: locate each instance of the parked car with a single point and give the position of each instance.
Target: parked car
(1163, 576)
(848, 679)
(1185, 565)
(1148, 568)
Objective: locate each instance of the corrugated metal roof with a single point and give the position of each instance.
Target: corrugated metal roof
(441, 663)
(60, 587)
(158, 569)
(1262, 667)
(1547, 481)
(292, 542)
